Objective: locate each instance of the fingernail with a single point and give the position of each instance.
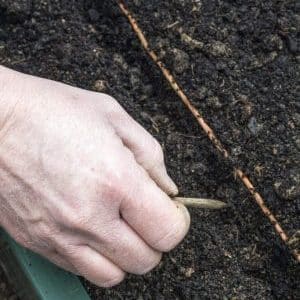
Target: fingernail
(173, 189)
(185, 213)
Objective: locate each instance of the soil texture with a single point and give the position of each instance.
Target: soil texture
(239, 63)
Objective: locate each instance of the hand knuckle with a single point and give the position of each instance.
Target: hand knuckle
(75, 215)
(78, 220)
(70, 251)
(113, 106)
(40, 238)
(114, 185)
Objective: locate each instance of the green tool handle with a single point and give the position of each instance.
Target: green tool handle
(35, 278)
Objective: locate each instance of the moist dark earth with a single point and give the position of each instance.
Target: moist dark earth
(238, 61)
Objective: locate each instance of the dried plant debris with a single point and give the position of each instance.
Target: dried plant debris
(201, 203)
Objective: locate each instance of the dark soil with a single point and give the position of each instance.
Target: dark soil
(242, 71)
(6, 292)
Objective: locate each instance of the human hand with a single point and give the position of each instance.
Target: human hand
(82, 183)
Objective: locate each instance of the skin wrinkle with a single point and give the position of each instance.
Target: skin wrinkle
(83, 267)
(27, 186)
(26, 215)
(171, 236)
(7, 124)
(110, 252)
(7, 209)
(5, 222)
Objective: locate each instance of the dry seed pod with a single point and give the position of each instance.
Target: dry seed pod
(201, 203)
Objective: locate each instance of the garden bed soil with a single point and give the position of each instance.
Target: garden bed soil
(6, 292)
(239, 63)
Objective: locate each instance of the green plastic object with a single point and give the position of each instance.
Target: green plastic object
(35, 278)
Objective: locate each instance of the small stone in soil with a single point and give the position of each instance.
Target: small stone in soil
(189, 272)
(119, 60)
(100, 85)
(218, 49)
(199, 168)
(181, 61)
(253, 126)
(288, 188)
(214, 102)
(202, 92)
